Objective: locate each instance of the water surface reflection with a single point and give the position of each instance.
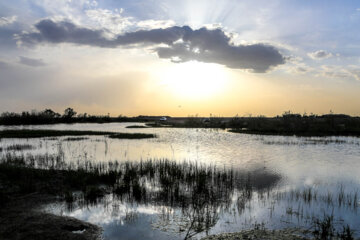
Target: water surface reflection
(297, 179)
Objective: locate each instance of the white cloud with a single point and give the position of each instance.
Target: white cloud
(333, 71)
(117, 23)
(320, 54)
(349, 72)
(296, 65)
(300, 69)
(152, 24)
(7, 20)
(355, 72)
(66, 9)
(112, 20)
(92, 3)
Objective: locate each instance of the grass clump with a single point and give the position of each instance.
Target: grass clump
(48, 180)
(325, 229)
(346, 234)
(93, 193)
(19, 147)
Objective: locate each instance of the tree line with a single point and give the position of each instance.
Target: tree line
(49, 116)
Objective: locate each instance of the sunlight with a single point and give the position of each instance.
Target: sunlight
(194, 79)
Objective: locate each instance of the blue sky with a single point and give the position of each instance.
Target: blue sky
(269, 56)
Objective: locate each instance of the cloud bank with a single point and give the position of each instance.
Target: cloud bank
(180, 44)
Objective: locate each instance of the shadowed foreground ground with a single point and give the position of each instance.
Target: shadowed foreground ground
(22, 218)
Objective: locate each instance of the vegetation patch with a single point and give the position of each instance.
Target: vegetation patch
(132, 135)
(74, 139)
(198, 190)
(30, 133)
(17, 147)
(281, 132)
(136, 126)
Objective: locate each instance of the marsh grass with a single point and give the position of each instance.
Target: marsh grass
(49, 181)
(74, 139)
(200, 191)
(327, 228)
(17, 147)
(338, 197)
(308, 142)
(27, 133)
(20, 147)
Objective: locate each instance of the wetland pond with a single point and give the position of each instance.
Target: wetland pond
(247, 181)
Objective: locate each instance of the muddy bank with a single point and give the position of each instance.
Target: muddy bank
(22, 218)
(260, 234)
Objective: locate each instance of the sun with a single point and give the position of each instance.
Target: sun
(194, 79)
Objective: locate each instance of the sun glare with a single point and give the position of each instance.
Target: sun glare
(194, 79)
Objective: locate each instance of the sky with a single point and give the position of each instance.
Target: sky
(180, 58)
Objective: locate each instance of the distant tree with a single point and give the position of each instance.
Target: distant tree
(84, 115)
(25, 114)
(50, 113)
(69, 113)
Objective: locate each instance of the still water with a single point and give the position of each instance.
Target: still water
(302, 179)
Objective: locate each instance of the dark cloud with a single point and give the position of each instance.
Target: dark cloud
(181, 44)
(31, 62)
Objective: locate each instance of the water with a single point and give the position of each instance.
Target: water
(326, 167)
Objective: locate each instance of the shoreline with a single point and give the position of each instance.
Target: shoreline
(296, 134)
(261, 234)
